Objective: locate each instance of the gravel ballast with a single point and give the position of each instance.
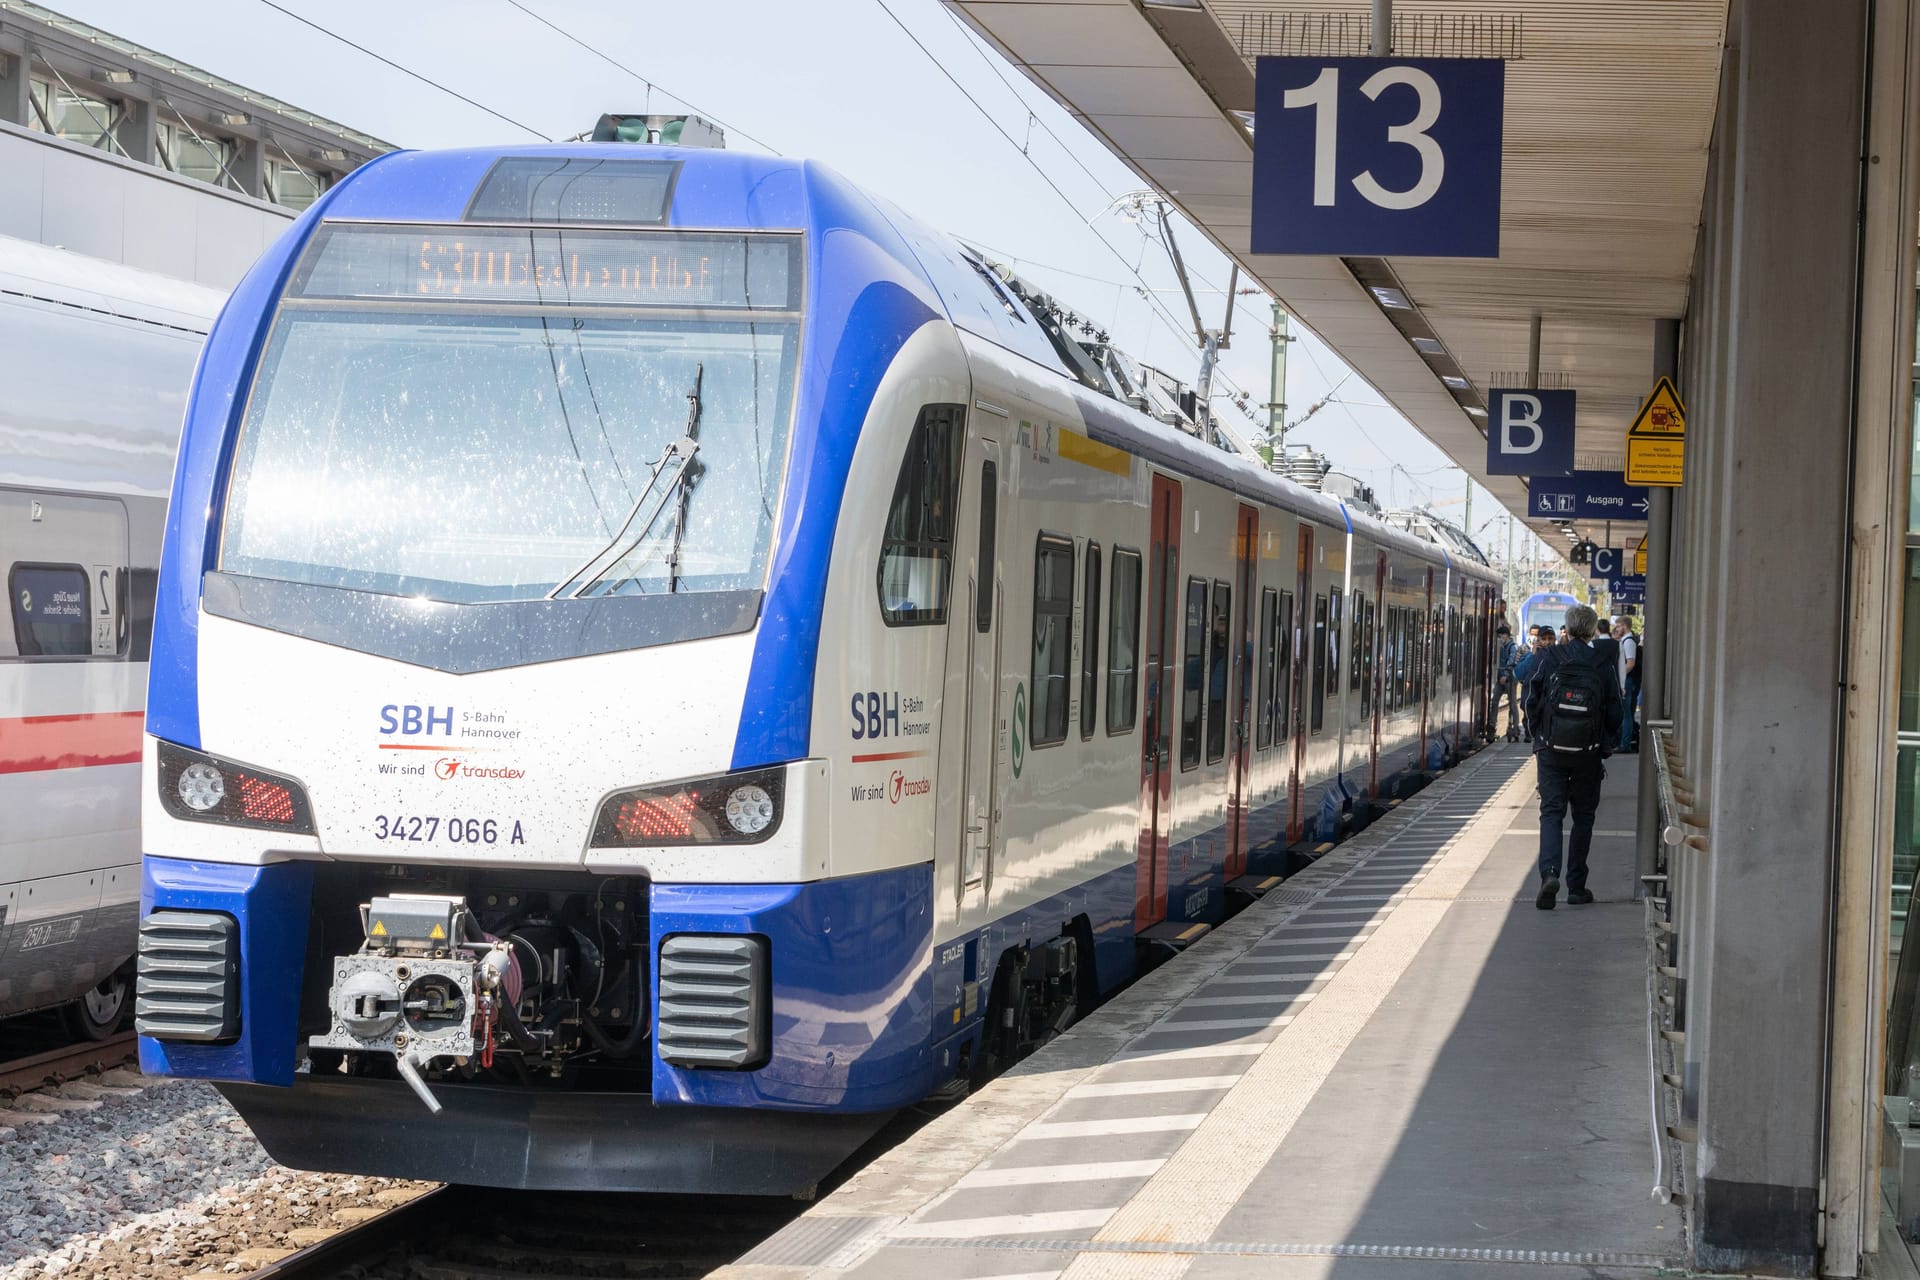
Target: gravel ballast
(165, 1183)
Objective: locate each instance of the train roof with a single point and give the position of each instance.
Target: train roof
(32, 270)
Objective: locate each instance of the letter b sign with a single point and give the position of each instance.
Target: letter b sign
(1530, 433)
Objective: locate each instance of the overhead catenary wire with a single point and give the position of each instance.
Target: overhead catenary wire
(1159, 309)
(404, 70)
(652, 85)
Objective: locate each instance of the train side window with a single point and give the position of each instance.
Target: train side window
(1090, 644)
(1335, 639)
(1269, 645)
(1283, 672)
(1366, 677)
(1052, 641)
(1193, 657)
(52, 610)
(989, 520)
(1317, 707)
(1123, 642)
(1359, 624)
(916, 550)
(1219, 665)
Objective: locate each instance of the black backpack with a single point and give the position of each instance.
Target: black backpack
(1577, 697)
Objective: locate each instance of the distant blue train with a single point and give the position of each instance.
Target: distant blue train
(1545, 608)
(662, 659)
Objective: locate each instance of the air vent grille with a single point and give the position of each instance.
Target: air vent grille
(714, 1001)
(189, 976)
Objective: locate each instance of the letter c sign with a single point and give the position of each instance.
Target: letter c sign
(1530, 432)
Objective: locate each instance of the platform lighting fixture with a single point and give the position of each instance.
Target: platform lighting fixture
(1455, 381)
(119, 77)
(1390, 297)
(1476, 411)
(233, 117)
(1429, 346)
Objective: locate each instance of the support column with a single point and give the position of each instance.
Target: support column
(1655, 632)
(1781, 518)
(14, 79)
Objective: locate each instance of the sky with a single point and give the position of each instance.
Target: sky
(839, 81)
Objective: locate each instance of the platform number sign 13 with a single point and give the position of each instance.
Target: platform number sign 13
(1377, 157)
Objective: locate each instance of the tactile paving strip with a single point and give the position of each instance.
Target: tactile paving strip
(1256, 1248)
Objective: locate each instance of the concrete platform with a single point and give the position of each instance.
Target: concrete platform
(1394, 1061)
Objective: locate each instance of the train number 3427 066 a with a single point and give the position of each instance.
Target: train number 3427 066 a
(422, 829)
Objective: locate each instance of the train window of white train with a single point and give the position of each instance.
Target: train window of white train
(1052, 641)
(1090, 644)
(989, 524)
(1123, 642)
(1317, 708)
(916, 551)
(52, 610)
(1219, 652)
(1269, 644)
(1193, 675)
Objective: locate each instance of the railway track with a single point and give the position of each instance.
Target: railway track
(476, 1233)
(69, 1062)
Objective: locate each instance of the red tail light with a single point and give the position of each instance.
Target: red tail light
(654, 819)
(264, 801)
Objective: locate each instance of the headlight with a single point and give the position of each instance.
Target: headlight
(204, 788)
(730, 808)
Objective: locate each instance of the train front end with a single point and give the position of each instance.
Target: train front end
(482, 837)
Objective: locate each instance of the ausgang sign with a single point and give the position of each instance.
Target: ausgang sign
(1378, 157)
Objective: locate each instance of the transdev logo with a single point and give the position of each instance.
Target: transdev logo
(901, 786)
(447, 768)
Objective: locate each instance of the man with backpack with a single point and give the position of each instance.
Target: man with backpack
(1573, 705)
(1539, 640)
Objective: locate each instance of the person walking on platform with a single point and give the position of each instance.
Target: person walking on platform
(1574, 707)
(1629, 679)
(1539, 639)
(1505, 686)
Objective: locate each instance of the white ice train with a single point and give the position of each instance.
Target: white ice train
(665, 659)
(95, 361)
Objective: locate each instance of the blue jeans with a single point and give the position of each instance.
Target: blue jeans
(1568, 780)
(1626, 720)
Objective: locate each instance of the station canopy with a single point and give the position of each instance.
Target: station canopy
(1609, 111)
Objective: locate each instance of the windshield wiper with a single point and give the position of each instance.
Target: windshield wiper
(672, 477)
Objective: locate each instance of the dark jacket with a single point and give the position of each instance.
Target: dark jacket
(1582, 655)
(1609, 650)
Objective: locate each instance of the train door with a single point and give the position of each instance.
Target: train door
(1297, 730)
(1374, 668)
(980, 521)
(1246, 545)
(1423, 664)
(1156, 763)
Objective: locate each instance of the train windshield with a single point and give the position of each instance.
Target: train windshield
(486, 414)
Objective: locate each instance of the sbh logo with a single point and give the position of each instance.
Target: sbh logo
(409, 721)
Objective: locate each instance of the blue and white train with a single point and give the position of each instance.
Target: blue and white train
(662, 659)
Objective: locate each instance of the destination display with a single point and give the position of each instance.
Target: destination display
(552, 266)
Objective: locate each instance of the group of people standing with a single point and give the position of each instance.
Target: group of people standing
(1573, 701)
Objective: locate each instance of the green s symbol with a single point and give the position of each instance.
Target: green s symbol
(1019, 723)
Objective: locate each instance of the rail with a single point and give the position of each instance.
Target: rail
(57, 1066)
(355, 1244)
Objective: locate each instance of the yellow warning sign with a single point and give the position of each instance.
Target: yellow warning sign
(1662, 414)
(379, 930)
(437, 933)
(1657, 441)
(1656, 460)
(1640, 557)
